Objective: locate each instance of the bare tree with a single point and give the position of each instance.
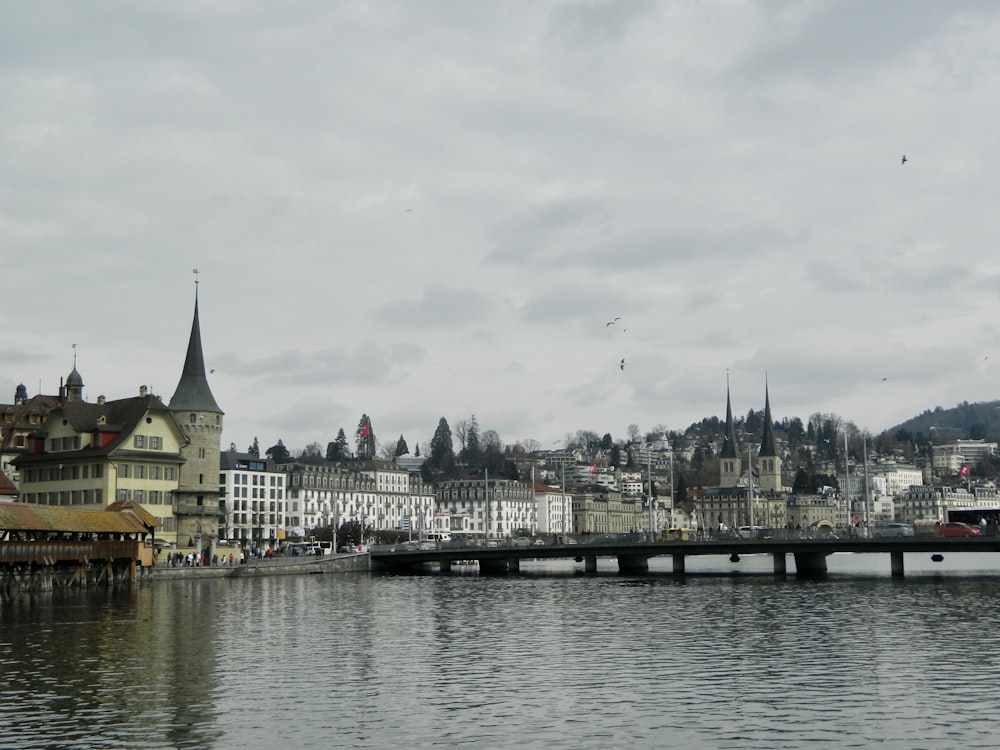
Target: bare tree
(461, 433)
(633, 432)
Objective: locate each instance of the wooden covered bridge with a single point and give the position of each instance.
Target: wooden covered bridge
(43, 547)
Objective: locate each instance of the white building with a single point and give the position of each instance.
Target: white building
(329, 495)
(252, 501)
(553, 509)
(494, 509)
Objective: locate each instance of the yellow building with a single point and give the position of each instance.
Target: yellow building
(91, 455)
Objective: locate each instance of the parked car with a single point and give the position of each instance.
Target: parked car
(957, 528)
(890, 530)
(521, 541)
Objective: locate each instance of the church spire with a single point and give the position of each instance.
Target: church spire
(193, 393)
(767, 445)
(729, 447)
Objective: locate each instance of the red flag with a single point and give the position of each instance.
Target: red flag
(364, 430)
(964, 471)
(593, 468)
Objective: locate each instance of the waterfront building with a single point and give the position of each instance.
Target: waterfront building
(924, 503)
(493, 508)
(89, 455)
(553, 509)
(196, 498)
(162, 458)
(328, 494)
(18, 420)
(598, 510)
(252, 501)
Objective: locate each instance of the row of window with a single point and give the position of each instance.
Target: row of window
(259, 493)
(66, 497)
(96, 497)
(257, 479)
(152, 442)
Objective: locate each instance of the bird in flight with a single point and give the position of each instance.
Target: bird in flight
(211, 371)
(622, 364)
(903, 160)
(612, 322)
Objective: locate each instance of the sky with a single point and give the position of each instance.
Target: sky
(416, 209)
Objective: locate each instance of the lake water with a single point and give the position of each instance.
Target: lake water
(548, 658)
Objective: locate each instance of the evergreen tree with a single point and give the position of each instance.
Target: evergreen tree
(278, 453)
(337, 449)
(365, 437)
(442, 457)
(254, 449)
(401, 448)
(473, 454)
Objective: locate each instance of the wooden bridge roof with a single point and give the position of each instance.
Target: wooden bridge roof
(30, 517)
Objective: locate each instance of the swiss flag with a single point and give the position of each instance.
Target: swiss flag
(964, 471)
(593, 468)
(364, 430)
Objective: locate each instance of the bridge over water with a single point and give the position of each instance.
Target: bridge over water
(633, 556)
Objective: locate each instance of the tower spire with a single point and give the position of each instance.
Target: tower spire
(767, 444)
(193, 393)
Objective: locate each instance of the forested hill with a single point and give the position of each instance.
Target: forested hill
(965, 421)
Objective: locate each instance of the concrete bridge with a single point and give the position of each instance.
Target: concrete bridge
(633, 556)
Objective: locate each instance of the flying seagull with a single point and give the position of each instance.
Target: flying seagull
(612, 322)
(903, 161)
(622, 365)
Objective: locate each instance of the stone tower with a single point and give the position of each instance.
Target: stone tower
(730, 463)
(196, 504)
(768, 460)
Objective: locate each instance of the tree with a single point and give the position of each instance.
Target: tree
(442, 456)
(254, 449)
(365, 438)
(472, 452)
(401, 448)
(615, 458)
(336, 450)
(278, 453)
(607, 442)
(633, 433)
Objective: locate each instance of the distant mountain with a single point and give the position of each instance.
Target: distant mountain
(965, 421)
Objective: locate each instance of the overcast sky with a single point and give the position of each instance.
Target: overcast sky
(425, 208)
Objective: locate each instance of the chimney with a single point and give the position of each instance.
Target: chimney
(100, 400)
(142, 390)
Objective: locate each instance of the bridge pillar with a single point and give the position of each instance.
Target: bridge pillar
(513, 564)
(896, 561)
(810, 564)
(780, 564)
(633, 564)
(678, 563)
(445, 566)
(590, 564)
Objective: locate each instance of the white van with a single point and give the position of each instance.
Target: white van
(438, 536)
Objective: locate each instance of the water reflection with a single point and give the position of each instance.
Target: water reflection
(562, 661)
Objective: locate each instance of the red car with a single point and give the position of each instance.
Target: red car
(955, 528)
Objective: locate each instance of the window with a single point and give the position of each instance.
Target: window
(156, 443)
(192, 418)
(139, 441)
(201, 453)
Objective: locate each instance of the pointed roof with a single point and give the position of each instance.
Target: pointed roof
(729, 447)
(767, 445)
(193, 393)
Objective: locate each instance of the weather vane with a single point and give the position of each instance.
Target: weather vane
(195, 272)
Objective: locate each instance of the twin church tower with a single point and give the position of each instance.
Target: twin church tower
(767, 472)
